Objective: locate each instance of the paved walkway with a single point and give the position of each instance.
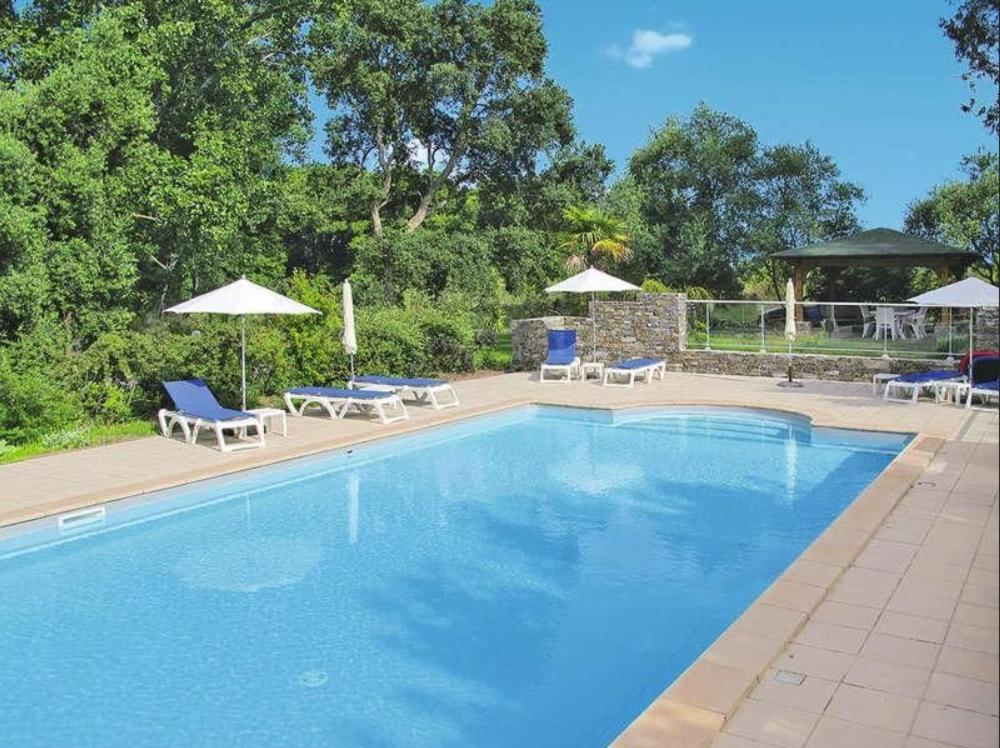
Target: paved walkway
(883, 633)
(903, 649)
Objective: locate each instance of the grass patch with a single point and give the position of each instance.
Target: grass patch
(87, 435)
(498, 356)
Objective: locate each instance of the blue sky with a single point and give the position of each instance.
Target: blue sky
(874, 84)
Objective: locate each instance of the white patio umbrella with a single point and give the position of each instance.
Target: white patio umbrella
(790, 331)
(969, 293)
(592, 281)
(348, 337)
(241, 298)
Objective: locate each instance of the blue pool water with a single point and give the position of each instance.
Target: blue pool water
(532, 578)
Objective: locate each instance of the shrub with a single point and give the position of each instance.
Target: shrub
(33, 403)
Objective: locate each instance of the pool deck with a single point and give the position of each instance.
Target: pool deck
(887, 626)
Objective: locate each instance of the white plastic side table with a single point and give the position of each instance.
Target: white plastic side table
(267, 417)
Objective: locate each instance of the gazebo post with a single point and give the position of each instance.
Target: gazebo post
(799, 272)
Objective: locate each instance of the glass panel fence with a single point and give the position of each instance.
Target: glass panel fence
(895, 330)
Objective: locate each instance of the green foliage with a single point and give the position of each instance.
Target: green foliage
(975, 31)
(965, 214)
(706, 202)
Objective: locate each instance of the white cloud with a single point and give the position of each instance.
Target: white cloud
(647, 45)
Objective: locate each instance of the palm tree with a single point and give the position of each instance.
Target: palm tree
(593, 237)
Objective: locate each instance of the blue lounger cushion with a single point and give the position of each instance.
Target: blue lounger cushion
(928, 376)
(399, 381)
(194, 399)
(636, 363)
(336, 392)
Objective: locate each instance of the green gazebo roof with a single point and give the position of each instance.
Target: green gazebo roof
(885, 244)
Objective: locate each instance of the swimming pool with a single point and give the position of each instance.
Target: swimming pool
(530, 578)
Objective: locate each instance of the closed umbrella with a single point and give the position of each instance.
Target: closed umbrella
(592, 281)
(241, 298)
(790, 331)
(348, 336)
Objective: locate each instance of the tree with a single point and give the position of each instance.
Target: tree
(593, 238)
(965, 214)
(802, 200)
(975, 31)
(452, 92)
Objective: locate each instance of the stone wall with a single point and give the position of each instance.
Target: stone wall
(804, 366)
(656, 325)
(986, 328)
(651, 325)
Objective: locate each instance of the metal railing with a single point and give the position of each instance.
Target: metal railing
(832, 328)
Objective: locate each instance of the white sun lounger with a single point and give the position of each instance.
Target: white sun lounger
(632, 369)
(909, 387)
(420, 389)
(196, 408)
(337, 402)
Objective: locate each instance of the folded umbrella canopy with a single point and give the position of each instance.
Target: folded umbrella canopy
(241, 298)
(592, 281)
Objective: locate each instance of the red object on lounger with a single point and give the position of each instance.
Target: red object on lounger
(963, 365)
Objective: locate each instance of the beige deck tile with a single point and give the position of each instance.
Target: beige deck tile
(810, 572)
(957, 510)
(912, 627)
(900, 651)
(735, 741)
(832, 636)
(990, 543)
(800, 597)
(977, 594)
(904, 530)
(977, 615)
(964, 693)
(915, 602)
(938, 588)
(886, 711)
(884, 581)
(986, 561)
(915, 742)
(743, 651)
(886, 555)
(707, 685)
(772, 724)
(983, 578)
(969, 663)
(855, 616)
(820, 663)
(930, 569)
(771, 621)
(666, 722)
(856, 594)
(975, 638)
(812, 695)
(837, 733)
(902, 680)
(958, 726)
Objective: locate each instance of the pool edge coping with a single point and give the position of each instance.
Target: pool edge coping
(693, 709)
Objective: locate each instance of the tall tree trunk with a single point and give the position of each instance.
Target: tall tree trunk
(434, 181)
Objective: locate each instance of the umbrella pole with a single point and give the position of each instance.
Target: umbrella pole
(243, 358)
(593, 322)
